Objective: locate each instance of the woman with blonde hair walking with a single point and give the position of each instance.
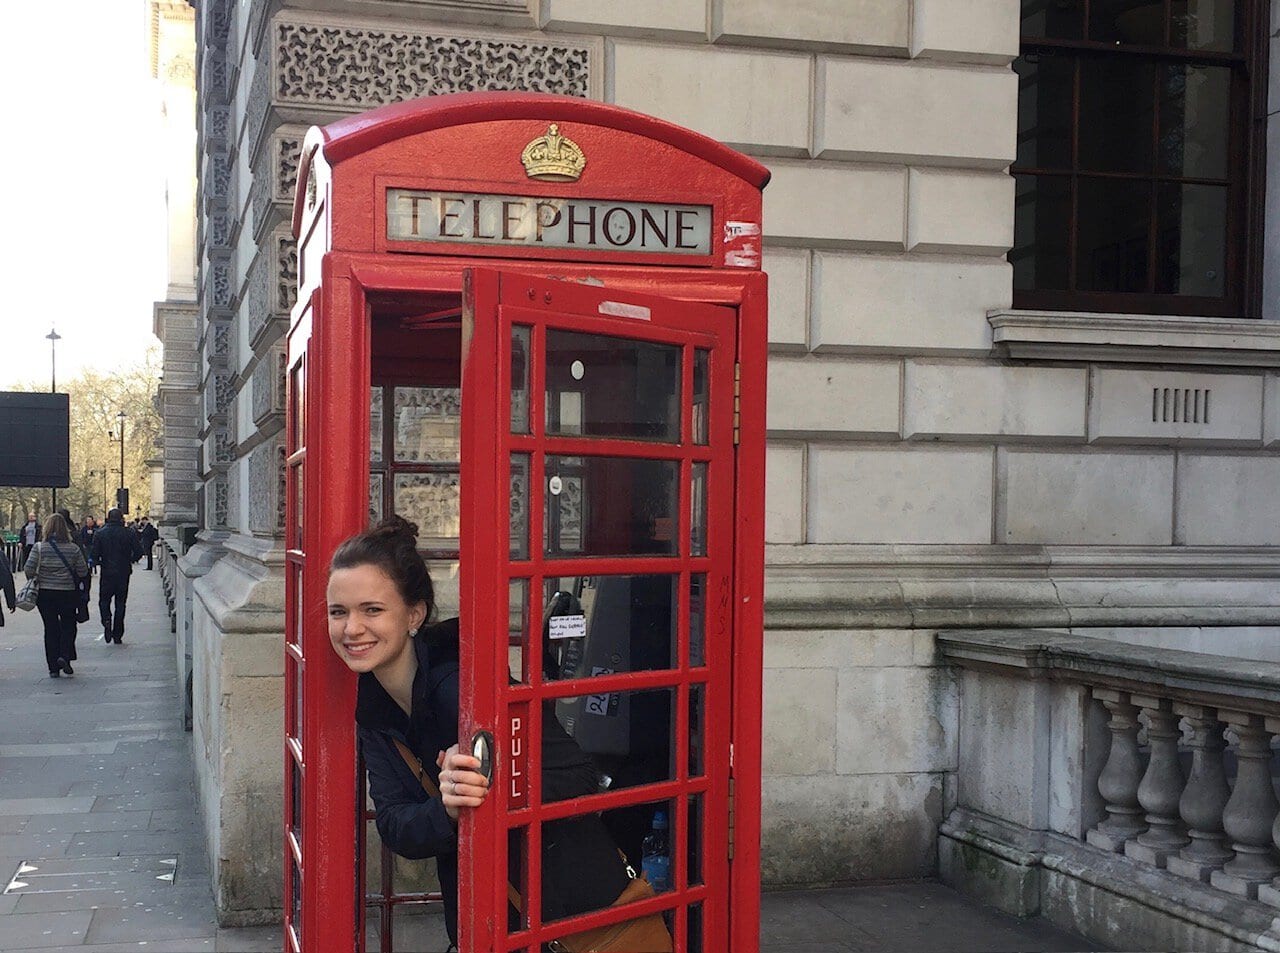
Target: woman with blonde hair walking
(57, 565)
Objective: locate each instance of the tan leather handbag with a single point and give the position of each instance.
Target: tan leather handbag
(646, 934)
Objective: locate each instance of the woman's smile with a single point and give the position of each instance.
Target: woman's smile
(369, 621)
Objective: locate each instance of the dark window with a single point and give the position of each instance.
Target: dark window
(1139, 170)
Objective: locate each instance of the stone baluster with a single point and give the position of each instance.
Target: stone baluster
(1120, 777)
(1161, 786)
(1270, 893)
(1204, 797)
(1250, 811)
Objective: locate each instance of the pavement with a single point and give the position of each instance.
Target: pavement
(101, 851)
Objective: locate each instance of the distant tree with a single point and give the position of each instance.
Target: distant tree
(96, 397)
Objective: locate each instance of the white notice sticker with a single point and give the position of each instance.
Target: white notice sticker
(568, 626)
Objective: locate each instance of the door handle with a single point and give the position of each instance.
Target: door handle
(484, 751)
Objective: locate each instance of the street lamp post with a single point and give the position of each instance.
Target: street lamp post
(120, 501)
(53, 337)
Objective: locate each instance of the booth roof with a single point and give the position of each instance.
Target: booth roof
(356, 134)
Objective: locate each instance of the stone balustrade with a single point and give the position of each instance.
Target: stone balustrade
(1155, 784)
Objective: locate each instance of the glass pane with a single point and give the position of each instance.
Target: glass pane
(299, 512)
(375, 497)
(1057, 19)
(431, 501)
(1193, 240)
(610, 506)
(601, 386)
(1041, 232)
(1130, 22)
(295, 898)
(599, 625)
(1117, 96)
(701, 396)
(627, 736)
(697, 742)
(641, 831)
(694, 944)
(1113, 243)
(517, 625)
(375, 424)
(697, 616)
(1204, 25)
(427, 421)
(295, 799)
(373, 880)
(519, 518)
(519, 379)
(1195, 112)
(698, 510)
(1045, 90)
(694, 863)
(518, 878)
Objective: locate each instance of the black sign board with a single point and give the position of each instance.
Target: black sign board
(35, 439)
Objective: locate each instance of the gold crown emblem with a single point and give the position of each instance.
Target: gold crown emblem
(553, 157)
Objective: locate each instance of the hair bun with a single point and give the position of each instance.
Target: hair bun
(396, 527)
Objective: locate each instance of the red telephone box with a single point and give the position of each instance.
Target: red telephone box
(557, 311)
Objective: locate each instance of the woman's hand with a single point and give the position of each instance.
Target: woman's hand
(461, 783)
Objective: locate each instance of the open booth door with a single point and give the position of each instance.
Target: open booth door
(597, 600)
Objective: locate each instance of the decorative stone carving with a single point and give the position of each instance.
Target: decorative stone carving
(218, 224)
(268, 386)
(217, 182)
(215, 23)
(1204, 797)
(288, 155)
(220, 283)
(257, 103)
(222, 449)
(220, 333)
(1250, 812)
(287, 275)
(1161, 786)
(266, 498)
(213, 87)
(1118, 783)
(217, 502)
(352, 67)
(258, 309)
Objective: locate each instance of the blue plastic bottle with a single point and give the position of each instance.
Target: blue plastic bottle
(656, 854)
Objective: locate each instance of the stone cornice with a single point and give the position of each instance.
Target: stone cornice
(837, 587)
(1138, 339)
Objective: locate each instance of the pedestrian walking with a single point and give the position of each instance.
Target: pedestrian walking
(148, 534)
(57, 566)
(6, 586)
(88, 529)
(30, 535)
(115, 549)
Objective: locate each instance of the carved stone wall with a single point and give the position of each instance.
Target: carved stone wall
(266, 497)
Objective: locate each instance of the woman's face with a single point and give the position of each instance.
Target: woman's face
(369, 621)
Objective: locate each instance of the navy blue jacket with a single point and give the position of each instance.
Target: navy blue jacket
(416, 826)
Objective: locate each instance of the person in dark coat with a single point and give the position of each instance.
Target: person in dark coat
(115, 550)
(6, 586)
(147, 534)
(379, 596)
(57, 564)
(30, 534)
(88, 529)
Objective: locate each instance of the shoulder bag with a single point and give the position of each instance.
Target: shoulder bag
(29, 593)
(82, 586)
(647, 934)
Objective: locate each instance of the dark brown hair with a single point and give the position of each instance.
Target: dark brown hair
(392, 546)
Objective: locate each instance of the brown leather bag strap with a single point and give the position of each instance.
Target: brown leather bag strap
(420, 772)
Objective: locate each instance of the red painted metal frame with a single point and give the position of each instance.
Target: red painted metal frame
(495, 303)
(630, 157)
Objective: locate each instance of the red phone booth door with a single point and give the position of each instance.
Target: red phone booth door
(597, 575)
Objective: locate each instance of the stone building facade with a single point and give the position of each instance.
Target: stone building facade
(939, 461)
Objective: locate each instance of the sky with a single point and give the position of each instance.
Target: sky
(82, 241)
